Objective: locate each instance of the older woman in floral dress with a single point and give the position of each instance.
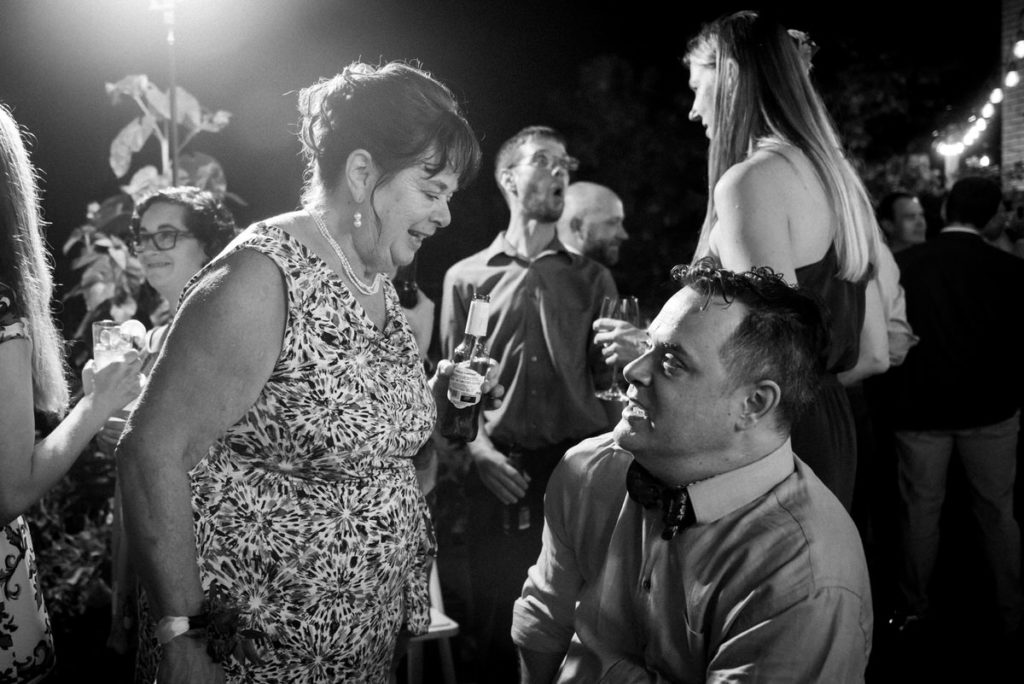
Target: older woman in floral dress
(267, 472)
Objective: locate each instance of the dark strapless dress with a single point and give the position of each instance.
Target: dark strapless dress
(825, 437)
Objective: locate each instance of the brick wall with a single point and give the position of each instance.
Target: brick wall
(1013, 103)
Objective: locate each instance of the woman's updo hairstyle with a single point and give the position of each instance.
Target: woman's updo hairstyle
(398, 113)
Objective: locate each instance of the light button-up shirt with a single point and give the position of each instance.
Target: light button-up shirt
(770, 584)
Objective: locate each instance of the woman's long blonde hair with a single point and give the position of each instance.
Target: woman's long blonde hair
(26, 268)
(763, 91)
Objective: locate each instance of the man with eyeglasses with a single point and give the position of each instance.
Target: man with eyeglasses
(543, 300)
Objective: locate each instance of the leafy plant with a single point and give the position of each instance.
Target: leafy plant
(155, 122)
(71, 525)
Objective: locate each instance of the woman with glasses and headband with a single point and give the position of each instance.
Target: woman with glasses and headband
(783, 195)
(174, 233)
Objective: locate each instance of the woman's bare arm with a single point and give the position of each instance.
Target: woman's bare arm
(219, 353)
(28, 469)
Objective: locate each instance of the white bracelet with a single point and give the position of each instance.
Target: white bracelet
(170, 627)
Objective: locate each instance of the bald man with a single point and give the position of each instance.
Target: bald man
(592, 222)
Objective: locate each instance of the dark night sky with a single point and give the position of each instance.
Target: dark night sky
(501, 58)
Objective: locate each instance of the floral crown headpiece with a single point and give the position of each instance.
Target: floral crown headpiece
(805, 46)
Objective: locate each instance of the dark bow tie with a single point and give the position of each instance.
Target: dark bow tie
(650, 492)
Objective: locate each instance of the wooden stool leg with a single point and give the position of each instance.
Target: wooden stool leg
(414, 663)
(447, 663)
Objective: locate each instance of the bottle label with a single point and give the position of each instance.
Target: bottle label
(476, 321)
(464, 387)
(524, 516)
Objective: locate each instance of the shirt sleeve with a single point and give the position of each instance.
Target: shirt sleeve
(824, 637)
(542, 618)
(894, 303)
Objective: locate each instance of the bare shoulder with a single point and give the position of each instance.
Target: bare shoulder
(239, 303)
(241, 279)
(765, 170)
(220, 351)
(753, 203)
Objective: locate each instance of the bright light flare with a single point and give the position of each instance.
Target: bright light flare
(950, 149)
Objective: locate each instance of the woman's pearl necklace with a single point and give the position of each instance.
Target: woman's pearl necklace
(361, 285)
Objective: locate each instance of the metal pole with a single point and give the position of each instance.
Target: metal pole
(172, 89)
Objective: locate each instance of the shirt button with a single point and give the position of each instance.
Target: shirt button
(647, 585)
(533, 358)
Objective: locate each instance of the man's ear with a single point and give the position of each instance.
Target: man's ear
(508, 182)
(359, 174)
(759, 403)
(576, 226)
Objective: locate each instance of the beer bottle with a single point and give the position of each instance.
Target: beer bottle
(472, 360)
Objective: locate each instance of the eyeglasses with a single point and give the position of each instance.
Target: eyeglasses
(162, 240)
(544, 161)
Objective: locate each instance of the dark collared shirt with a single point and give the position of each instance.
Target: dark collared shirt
(540, 332)
(964, 300)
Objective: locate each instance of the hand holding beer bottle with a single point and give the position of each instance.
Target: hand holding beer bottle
(461, 413)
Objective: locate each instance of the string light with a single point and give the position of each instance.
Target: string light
(955, 144)
(1012, 77)
(951, 146)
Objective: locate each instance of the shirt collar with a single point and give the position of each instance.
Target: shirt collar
(961, 229)
(502, 247)
(722, 494)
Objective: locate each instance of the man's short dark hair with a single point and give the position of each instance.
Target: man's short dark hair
(887, 206)
(784, 337)
(973, 201)
(509, 148)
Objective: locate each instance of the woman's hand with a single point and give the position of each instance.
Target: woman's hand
(116, 384)
(491, 392)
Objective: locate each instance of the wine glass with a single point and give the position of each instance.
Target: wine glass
(624, 309)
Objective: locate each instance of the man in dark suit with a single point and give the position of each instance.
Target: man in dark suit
(960, 387)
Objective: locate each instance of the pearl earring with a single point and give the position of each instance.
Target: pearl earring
(357, 220)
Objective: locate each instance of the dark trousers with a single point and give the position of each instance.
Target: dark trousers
(499, 561)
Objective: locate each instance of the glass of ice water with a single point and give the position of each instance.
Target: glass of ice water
(109, 342)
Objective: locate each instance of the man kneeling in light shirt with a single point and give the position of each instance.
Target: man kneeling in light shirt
(691, 544)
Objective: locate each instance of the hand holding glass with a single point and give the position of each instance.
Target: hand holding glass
(111, 340)
(624, 309)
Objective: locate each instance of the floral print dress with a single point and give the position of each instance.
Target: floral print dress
(26, 640)
(307, 511)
